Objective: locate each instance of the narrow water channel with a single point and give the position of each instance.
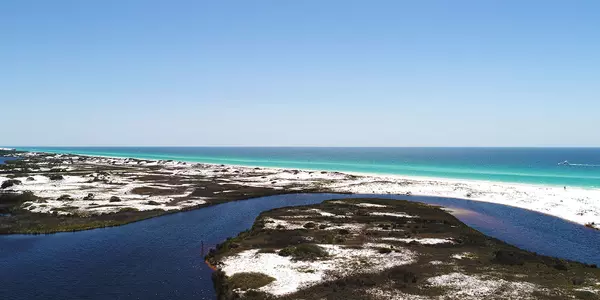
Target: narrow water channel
(161, 258)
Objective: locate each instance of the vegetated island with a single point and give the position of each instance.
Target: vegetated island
(385, 249)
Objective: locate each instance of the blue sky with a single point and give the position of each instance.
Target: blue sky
(290, 73)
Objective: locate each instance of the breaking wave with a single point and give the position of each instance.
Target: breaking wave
(585, 165)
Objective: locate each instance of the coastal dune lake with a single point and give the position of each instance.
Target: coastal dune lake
(161, 258)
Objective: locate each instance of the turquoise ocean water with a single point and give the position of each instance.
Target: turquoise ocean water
(520, 165)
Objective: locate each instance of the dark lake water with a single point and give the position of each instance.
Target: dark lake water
(160, 258)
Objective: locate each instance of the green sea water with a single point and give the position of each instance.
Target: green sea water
(518, 165)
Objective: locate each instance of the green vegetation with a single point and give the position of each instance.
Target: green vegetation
(9, 183)
(128, 209)
(585, 295)
(304, 252)
(250, 280)
(146, 191)
(65, 198)
(55, 177)
(310, 225)
(35, 223)
(16, 198)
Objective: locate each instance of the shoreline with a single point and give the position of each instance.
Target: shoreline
(574, 204)
(357, 173)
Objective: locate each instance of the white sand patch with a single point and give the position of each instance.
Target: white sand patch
(322, 213)
(589, 290)
(297, 217)
(104, 206)
(271, 223)
(464, 255)
(384, 229)
(339, 202)
(478, 287)
(354, 227)
(398, 215)
(424, 241)
(389, 293)
(378, 245)
(574, 204)
(292, 276)
(79, 187)
(370, 205)
(327, 214)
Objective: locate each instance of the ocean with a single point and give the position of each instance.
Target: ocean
(517, 165)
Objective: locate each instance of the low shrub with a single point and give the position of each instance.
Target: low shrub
(249, 280)
(89, 196)
(55, 177)
(578, 280)
(9, 183)
(304, 252)
(152, 203)
(128, 209)
(17, 198)
(384, 250)
(65, 198)
(310, 225)
(585, 295)
(344, 231)
(114, 199)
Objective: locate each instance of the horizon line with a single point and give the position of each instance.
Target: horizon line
(275, 146)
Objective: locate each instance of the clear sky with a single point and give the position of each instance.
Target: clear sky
(290, 73)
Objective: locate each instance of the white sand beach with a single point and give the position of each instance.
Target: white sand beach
(579, 205)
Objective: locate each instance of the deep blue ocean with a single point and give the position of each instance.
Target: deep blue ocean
(520, 165)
